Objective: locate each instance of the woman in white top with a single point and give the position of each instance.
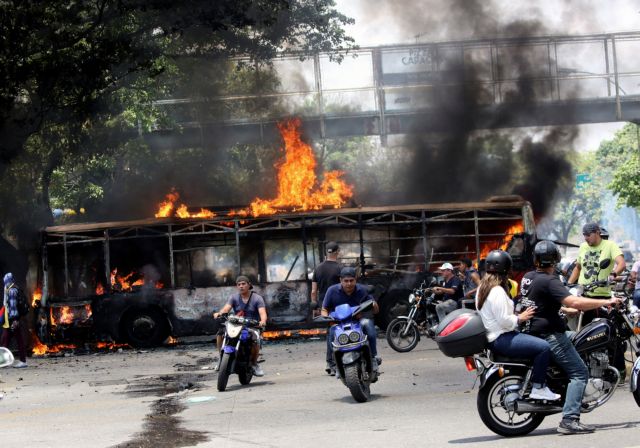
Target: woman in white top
(496, 310)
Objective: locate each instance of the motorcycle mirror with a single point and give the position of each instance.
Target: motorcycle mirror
(604, 264)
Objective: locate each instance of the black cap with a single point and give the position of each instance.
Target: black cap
(332, 247)
(242, 278)
(348, 271)
(589, 228)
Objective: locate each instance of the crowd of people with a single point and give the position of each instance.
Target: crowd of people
(537, 331)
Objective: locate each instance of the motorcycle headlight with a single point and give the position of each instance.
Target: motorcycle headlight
(412, 298)
(343, 339)
(354, 336)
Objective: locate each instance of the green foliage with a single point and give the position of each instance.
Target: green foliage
(78, 78)
(623, 156)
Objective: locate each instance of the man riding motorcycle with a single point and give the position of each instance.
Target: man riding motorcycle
(542, 289)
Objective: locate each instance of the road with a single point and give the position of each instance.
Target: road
(167, 398)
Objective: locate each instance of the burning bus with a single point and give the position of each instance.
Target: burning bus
(145, 280)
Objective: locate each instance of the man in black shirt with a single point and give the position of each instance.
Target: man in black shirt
(451, 291)
(326, 274)
(544, 291)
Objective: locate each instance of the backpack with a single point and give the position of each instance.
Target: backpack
(23, 303)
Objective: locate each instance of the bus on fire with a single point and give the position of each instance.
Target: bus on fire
(143, 281)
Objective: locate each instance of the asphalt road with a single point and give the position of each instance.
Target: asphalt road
(167, 398)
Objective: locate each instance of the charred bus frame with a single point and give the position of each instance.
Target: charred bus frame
(197, 260)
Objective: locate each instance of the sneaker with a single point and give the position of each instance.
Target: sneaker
(570, 426)
(19, 365)
(374, 364)
(330, 369)
(543, 393)
(257, 370)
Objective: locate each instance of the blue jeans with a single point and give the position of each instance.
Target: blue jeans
(636, 298)
(566, 356)
(519, 345)
(368, 327)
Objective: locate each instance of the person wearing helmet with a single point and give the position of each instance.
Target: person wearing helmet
(544, 290)
(495, 306)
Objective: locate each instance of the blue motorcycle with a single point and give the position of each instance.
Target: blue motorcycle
(235, 356)
(352, 352)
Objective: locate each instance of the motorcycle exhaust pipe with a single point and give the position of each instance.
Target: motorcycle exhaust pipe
(525, 407)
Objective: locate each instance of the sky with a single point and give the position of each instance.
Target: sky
(381, 22)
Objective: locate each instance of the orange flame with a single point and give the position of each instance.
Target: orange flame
(166, 208)
(171, 341)
(504, 241)
(40, 349)
(110, 345)
(66, 315)
(298, 186)
(126, 282)
(281, 334)
(36, 297)
(99, 289)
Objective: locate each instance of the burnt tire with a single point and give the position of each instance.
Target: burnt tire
(223, 373)
(245, 375)
(402, 335)
(359, 389)
(146, 327)
(495, 413)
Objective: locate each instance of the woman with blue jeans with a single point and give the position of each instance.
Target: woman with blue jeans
(496, 310)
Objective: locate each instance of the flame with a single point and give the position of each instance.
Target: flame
(298, 186)
(110, 345)
(166, 208)
(40, 349)
(281, 334)
(504, 241)
(36, 297)
(99, 289)
(66, 315)
(126, 282)
(171, 341)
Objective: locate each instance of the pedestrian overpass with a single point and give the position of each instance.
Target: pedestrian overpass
(398, 89)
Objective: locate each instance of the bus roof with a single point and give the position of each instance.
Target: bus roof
(499, 202)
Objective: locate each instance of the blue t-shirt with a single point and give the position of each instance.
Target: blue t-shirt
(455, 284)
(335, 296)
(250, 309)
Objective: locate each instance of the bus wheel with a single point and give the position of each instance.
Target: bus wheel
(392, 306)
(147, 327)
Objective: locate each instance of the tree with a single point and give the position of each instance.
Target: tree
(72, 71)
(624, 152)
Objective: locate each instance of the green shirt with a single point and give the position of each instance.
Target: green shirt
(589, 258)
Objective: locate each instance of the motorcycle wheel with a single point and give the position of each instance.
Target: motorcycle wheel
(245, 375)
(494, 412)
(358, 388)
(223, 373)
(636, 395)
(399, 342)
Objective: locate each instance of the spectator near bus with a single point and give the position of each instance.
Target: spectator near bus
(326, 274)
(11, 322)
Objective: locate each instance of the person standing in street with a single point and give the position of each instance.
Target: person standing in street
(11, 326)
(326, 274)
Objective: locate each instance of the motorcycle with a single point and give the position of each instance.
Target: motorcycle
(505, 382)
(403, 332)
(235, 355)
(351, 351)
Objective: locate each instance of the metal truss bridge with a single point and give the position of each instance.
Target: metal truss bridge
(403, 88)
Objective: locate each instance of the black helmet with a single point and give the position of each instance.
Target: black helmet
(546, 254)
(498, 262)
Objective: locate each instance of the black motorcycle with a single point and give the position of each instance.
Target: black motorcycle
(403, 332)
(505, 383)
